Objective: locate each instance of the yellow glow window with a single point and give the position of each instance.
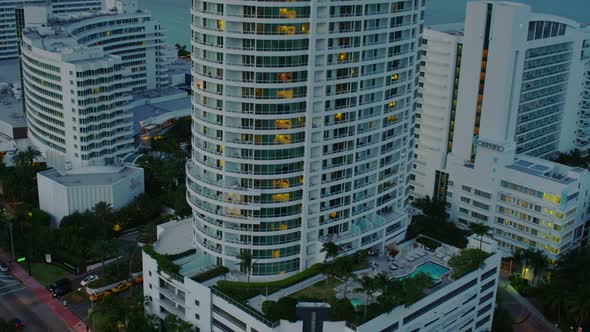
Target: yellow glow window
(342, 57)
(280, 197)
(287, 94)
(283, 124)
(392, 104)
(339, 116)
(394, 77)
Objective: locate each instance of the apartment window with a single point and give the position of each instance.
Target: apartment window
(197, 303)
(197, 317)
(466, 189)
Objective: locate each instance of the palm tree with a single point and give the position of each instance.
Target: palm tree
(32, 154)
(344, 268)
(383, 281)
(481, 230)
(20, 159)
(246, 263)
(435, 209)
(331, 249)
(578, 304)
(538, 262)
(369, 286)
(103, 211)
(103, 249)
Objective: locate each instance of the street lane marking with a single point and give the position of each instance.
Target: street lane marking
(16, 283)
(12, 291)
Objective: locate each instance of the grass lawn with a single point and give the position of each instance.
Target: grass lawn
(322, 290)
(46, 273)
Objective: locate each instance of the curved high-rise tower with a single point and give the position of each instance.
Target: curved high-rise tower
(303, 116)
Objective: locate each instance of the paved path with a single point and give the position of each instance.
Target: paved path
(256, 302)
(42, 296)
(526, 317)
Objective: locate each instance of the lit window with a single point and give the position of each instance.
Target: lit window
(394, 77)
(391, 118)
(276, 253)
(283, 124)
(220, 25)
(287, 94)
(342, 57)
(280, 197)
(392, 103)
(287, 29)
(339, 116)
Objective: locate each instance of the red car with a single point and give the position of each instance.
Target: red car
(19, 324)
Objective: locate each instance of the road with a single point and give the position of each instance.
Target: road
(18, 301)
(525, 316)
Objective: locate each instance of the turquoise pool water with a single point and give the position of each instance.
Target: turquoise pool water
(435, 271)
(356, 302)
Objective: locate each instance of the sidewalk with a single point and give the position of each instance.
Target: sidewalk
(71, 320)
(533, 316)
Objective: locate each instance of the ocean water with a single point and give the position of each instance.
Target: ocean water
(175, 14)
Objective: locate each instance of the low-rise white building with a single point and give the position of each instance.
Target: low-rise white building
(464, 304)
(61, 194)
(529, 202)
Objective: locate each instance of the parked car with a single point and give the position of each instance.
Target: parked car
(61, 283)
(372, 252)
(98, 296)
(139, 280)
(393, 266)
(18, 324)
(3, 267)
(61, 291)
(121, 287)
(88, 279)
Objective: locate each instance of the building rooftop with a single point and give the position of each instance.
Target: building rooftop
(454, 29)
(175, 237)
(9, 71)
(90, 176)
(157, 107)
(546, 169)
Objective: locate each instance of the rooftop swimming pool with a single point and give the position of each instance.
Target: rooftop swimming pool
(435, 271)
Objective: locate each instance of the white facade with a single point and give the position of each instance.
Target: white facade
(15, 15)
(303, 127)
(61, 194)
(436, 108)
(465, 304)
(79, 75)
(532, 70)
(583, 131)
(527, 80)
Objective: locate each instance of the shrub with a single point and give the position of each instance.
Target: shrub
(244, 290)
(213, 273)
(165, 262)
(443, 231)
(520, 284)
(284, 308)
(467, 261)
(428, 242)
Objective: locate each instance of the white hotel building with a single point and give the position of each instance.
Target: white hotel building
(542, 54)
(513, 95)
(303, 117)
(440, 63)
(79, 74)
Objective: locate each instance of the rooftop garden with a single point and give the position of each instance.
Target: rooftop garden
(467, 261)
(166, 262)
(381, 294)
(210, 274)
(342, 267)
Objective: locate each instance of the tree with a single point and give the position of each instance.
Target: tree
(369, 287)
(246, 263)
(538, 262)
(468, 260)
(331, 249)
(344, 268)
(103, 249)
(574, 159)
(103, 211)
(174, 324)
(32, 155)
(435, 209)
(480, 230)
(578, 304)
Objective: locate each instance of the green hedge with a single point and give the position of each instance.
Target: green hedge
(213, 273)
(244, 290)
(165, 262)
(430, 243)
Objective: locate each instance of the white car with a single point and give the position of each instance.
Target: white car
(3, 267)
(88, 279)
